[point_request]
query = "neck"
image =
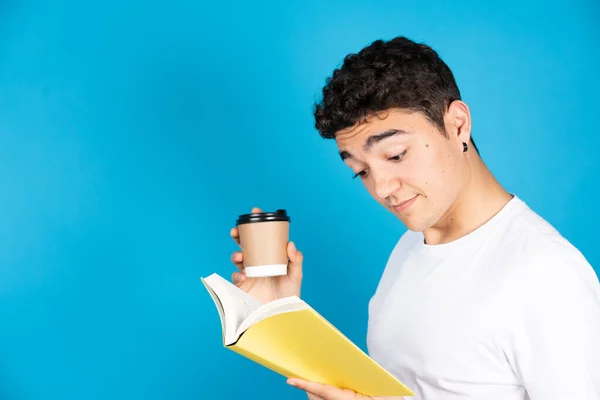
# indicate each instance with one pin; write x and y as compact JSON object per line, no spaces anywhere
{"x":482,"y":198}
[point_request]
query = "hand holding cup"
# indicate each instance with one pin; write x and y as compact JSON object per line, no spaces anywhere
{"x":269,"y":265}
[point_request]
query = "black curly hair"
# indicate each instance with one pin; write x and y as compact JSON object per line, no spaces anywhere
{"x":398,"y":73}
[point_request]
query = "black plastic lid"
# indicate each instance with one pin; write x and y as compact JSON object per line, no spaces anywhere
{"x":279,"y":215}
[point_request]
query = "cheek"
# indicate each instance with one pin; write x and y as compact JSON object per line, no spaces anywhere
{"x":423,"y":174}
{"x":431,"y":175}
{"x":442,"y":180}
{"x":370,"y":186}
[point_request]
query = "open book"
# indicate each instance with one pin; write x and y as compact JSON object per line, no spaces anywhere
{"x":290,"y":338}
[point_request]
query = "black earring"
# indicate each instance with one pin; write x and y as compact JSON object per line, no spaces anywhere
{"x":465,"y":147}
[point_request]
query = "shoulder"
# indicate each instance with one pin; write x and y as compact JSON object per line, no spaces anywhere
{"x":552,"y":313}
{"x":545,"y":266}
{"x":541,"y":251}
{"x":399,"y":253}
{"x":407,"y":242}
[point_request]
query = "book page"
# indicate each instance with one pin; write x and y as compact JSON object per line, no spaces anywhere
{"x":237,"y":305}
{"x":217,"y":302}
{"x":279,"y":306}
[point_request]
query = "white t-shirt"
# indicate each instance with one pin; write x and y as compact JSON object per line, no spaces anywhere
{"x":510,"y":311}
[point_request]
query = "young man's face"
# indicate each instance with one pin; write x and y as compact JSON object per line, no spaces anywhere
{"x":407,"y":165}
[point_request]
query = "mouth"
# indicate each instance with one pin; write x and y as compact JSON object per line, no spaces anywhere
{"x":404,"y":205}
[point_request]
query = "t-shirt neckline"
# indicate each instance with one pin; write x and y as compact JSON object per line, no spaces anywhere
{"x":473,"y":235}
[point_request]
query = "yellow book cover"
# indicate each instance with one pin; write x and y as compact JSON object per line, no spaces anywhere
{"x":289,"y":337}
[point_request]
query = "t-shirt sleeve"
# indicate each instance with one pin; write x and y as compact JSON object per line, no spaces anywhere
{"x":553,"y":340}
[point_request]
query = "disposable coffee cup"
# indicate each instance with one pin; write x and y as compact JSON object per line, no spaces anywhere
{"x":264,"y":238}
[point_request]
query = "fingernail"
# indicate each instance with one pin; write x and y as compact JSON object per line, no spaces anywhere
{"x":292,"y":382}
{"x":293,"y":248}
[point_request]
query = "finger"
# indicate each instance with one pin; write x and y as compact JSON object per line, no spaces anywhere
{"x":238,"y":278}
{"x":295,"y":266}
{"x":236,"y":258}
{"x":235,"y":232}
{"x":325,"y":392}
{"x":235,"y":235}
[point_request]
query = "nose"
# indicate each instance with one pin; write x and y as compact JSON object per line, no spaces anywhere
{"x":386,"y":185}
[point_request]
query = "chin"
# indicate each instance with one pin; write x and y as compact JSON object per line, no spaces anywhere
{"x":414,"y":223}
{"x":415,"y":227}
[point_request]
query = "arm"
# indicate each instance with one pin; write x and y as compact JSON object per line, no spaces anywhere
{"x":553,"y":342}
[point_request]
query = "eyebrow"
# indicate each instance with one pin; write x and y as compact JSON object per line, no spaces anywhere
{"x":374,"y":139}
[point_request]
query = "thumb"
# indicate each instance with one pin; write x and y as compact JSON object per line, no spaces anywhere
{"x":295,"y":265}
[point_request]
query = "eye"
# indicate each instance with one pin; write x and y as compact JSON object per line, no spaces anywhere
{"x":360,"y":174}
{"x":398,"y":157}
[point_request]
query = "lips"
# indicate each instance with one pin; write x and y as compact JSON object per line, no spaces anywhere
{"x":404,"y":205}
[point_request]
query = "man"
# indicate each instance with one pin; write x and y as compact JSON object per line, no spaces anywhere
{"x":481,"y":298}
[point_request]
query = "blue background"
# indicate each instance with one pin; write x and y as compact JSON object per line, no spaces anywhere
{"x":133,"y":133}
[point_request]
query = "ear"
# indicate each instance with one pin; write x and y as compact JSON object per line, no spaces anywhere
{"x":458,"y":122}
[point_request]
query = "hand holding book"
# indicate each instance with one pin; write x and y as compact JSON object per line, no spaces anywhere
{"x":264,"y":319}
{"x":319,"y":391}
{"x":291,"y":338}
